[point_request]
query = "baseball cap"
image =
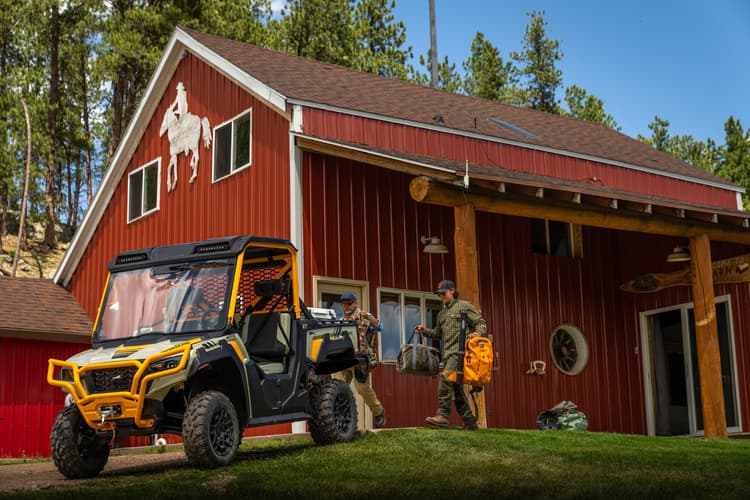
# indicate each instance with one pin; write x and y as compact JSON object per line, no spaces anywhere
{"x":445,"y":286}
{"x":348,"y":296}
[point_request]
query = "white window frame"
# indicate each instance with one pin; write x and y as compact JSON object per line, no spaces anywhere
{"x":143,"y":167}
{"x":423,"y":296}
{"x":233,"y":169}
{"x":340,"y":285}
{"x":647,"y":365}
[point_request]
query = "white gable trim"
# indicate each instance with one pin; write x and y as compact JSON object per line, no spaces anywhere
{"x":296,"y":208}
{"x":239,"y":76}
{"x":526,"y":145}
{"x":178,"y":43}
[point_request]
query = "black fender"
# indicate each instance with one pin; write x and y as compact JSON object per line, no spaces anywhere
{"x":220,"y":353}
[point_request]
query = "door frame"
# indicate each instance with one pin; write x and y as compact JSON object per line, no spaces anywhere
{"x":648,"y":381}
{"x":341,"y":285}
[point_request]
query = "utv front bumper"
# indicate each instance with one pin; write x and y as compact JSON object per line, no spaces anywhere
{"x":114,"y":391}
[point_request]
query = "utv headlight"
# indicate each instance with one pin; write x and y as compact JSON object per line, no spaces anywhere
{"x":165,"y":363}
{"x":66,"y":374}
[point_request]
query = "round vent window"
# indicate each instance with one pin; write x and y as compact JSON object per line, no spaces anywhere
{"x":569,"y":350}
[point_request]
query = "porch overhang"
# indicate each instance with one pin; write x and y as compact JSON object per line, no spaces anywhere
{"x":654,"y":216}
{"x":468,"y":187}
{"x":511,"y":192}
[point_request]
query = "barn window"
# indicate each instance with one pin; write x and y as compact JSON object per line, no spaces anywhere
{"x":400,"y":311}
{"x":561,"y":239}
{"x":569,"y":349}
{"x":143,"y":190}
{"x":233,"y":145}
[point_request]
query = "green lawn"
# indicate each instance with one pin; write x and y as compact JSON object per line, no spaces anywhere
{"x":454,"y":464}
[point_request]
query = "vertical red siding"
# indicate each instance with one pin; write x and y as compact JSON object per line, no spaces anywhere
{"x":399,"y":137}
{"x":252,"y":201}
{"x":28,"y":405}
{"x":363,"y":225}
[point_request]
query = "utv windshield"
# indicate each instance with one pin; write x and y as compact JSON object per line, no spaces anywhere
{"x":180,"y":298}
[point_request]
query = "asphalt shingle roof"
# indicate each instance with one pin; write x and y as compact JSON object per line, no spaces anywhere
{"x":40,"y":306}
{"x":322,"y":83}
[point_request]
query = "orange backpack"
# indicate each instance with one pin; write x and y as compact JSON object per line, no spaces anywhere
{"x":478,"y":361}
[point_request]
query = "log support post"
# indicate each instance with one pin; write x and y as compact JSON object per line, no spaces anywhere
{"x":706,"y":338}
{"x":467,"y":279}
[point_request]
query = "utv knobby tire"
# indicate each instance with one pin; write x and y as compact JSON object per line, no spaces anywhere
{"x":210,"y":430}
{"x":334,"y":412}
{"x":77,"y":451}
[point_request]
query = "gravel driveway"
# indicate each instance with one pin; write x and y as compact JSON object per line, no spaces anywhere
{"x":39,"y":475}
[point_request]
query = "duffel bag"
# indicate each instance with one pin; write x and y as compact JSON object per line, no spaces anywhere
{"x":418,"y":359}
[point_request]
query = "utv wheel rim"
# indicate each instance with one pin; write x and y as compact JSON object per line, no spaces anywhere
{"x":343,"y":411}
{"x":85,"y":440}
{"x":221,"y":432}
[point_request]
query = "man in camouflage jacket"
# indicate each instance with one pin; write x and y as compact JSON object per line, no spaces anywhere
{"x":448,"y":328}
{"x":361,"y":373}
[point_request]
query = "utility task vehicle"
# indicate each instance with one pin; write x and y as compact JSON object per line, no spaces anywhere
{"x":202,"y":340}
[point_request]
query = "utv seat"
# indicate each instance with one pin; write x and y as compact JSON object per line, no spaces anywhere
{"x":267,"y":337}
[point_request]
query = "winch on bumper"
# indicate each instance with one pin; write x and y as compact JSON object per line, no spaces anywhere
{"x":114,"y":391}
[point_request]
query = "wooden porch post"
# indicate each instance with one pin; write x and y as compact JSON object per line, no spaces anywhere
{"x":467,"y":279}
{"x":706,"y":338}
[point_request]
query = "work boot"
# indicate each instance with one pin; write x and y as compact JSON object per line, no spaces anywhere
{"x":438,"y":421}
{"x":470,"y":426}
{"x":380,"y":420}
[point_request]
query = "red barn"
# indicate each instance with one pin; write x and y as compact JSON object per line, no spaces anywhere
{"x":542,"y":219}
{"x":38,"y":320}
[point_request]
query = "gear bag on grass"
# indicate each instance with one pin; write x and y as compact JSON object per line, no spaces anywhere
{"x":478,"y":359}
{"x":564,"y":416}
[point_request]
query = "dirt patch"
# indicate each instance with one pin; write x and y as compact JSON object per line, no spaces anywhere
{"x":35,"y":260}
{"x":42,"y":475}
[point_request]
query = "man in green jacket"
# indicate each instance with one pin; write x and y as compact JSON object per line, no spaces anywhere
{"x":447,"y":328}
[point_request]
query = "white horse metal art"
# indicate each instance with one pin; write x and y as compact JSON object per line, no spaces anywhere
{"x":184,"y":134}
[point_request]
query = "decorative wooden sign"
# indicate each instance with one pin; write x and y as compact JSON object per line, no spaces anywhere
{"x":184,"y":133}
{"x":725,"y":271}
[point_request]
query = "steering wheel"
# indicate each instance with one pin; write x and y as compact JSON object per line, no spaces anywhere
{"x":210,"y":319}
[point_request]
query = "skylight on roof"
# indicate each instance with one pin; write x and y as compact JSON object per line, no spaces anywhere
{"x":510,"y":126}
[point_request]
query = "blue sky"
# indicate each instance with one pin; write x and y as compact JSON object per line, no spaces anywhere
{"x":686,"y":61}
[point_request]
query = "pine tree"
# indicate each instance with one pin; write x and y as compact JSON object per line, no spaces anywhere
{"x":735,"y":164}
{"x":380,"y":40}
{"x":245,"y":21}
{"x":487,"y":75}
{"x":585,"y":106}
{"x":537,"y":71}
{"x":317,"y":29}
{"x":448,"y":78}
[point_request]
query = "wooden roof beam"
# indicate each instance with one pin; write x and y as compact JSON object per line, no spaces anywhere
{"x":558,"y":194}
{"x":426,"y":190}
{"x":599,"y":201}
{"x":704,"y":216}
{"x":634,"y":206}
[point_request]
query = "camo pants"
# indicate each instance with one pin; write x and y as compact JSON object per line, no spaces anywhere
{"x":448,"y":390}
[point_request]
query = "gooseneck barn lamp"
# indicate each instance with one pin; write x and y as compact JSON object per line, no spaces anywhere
{"x":433,"y":245}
